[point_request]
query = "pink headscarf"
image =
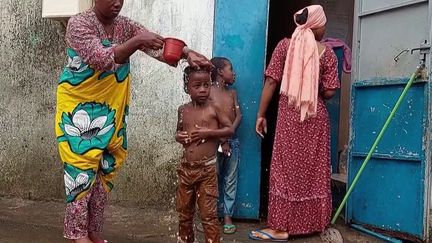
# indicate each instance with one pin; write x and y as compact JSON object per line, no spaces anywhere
{"x":301,"y":71}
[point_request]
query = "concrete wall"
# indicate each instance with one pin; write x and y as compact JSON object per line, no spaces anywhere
{"x":31,"y":59}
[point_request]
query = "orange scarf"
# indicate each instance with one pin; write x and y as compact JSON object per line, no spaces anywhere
{"x":301,"y":71}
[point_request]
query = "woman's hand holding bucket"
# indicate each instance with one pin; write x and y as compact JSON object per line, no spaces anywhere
{"x":151,"y":40}
{"x":175,"y":50}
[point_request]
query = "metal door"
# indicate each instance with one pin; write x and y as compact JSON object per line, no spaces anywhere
{"x":393,"y":193}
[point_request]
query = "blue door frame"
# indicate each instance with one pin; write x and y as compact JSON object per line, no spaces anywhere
{"x":240,"y":30}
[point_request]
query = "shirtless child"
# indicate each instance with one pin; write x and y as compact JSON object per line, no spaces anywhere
{"x":228,"y":157}
{"x":200,"y":127}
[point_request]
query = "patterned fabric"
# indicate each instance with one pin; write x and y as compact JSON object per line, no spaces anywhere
{"x":93,"y":97}
{"x":85,"y":215}
{"x":300,"y":196}
{"x":85,"y":34}
{"x":91,"y":131}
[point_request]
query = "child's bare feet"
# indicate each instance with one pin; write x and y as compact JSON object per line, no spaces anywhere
{"x":83,"y":240}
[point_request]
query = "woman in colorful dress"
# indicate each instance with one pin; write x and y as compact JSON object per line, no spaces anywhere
{"x":93,"y":98}
{"x":300,"y":195}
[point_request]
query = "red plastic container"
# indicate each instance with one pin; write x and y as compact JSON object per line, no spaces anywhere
{"x":173,"y":50}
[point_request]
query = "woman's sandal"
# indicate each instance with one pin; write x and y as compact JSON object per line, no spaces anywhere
{"x":269,"y":237}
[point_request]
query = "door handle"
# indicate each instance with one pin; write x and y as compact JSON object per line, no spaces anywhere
{"x":397,"y":57}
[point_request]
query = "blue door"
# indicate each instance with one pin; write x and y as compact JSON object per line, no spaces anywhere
{"x":392,"y":196}
{"x":240,"y":35}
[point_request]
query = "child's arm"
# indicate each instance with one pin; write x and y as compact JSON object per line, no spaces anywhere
{"x":226,"y":129}
{"x":181,"y":136}
{"x":238,"y":115}
{"x":224,"y":141}
{"x":238,"y":118}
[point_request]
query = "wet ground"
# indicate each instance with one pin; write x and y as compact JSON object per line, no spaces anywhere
{"x":41,"y":222}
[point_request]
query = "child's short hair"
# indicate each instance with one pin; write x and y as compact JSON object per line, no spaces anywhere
{"x":218,"y":63}
{"x":188,"y":71}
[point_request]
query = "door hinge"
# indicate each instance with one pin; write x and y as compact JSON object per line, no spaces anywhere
{"x":424,"y":49}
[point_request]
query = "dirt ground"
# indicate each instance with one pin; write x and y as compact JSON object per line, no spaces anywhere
{"x":30,"y":221}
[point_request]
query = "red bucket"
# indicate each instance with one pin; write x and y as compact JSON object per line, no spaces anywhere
{"x":173,"y":50}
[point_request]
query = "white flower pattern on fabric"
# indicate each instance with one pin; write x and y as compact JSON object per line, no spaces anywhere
{"x":107,"y":163}
{"x":89,"y":126}
{"x":84,"y":128}
{"x":71,"y":185}
{"x":77,"y":181}
{"x":74,"y":64}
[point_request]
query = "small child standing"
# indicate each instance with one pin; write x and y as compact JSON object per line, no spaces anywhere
{"x":228,"y":156}
{"x":200,"y":127}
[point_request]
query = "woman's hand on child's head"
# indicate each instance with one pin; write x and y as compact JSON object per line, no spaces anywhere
{"x":198,"y":60}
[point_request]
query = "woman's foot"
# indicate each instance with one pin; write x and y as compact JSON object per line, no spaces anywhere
{"x":269,"y":234}
{"x":96,"y":237}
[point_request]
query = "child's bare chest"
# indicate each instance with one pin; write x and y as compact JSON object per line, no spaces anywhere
{"x":193,"y":118}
